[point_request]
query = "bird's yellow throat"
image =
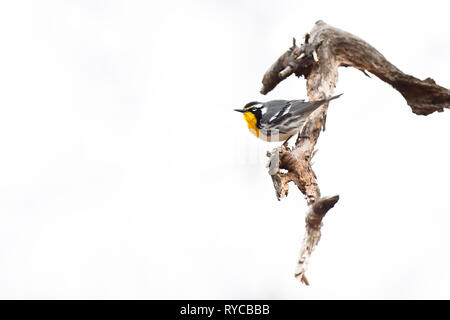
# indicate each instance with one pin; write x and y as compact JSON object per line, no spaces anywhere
{"x":251,"y":123}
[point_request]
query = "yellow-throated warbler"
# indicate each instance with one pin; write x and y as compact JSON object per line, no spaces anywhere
{"x":278,"y":120}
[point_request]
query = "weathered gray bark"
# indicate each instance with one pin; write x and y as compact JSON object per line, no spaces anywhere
{"x":324,"y":50}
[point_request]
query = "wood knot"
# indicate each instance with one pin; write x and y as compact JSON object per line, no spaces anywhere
{"x":429,"y":80}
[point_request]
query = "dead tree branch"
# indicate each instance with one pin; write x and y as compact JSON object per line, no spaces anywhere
{"x":324,"y":50}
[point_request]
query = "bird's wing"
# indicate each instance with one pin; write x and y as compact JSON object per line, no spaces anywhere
{"x":300,"y":107}
{"x":290,"y":108}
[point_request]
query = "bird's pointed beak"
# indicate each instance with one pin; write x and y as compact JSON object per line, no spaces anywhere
{"x":240,"y":110}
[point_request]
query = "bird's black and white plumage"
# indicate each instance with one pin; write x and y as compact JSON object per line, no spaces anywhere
{"x":277,"y":120}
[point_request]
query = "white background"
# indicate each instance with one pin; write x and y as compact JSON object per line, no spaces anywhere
{"x":124,"y":172}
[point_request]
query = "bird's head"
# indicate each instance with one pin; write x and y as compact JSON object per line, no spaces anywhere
{"x":252,"y":115}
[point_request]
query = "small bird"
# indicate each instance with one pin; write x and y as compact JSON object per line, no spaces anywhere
{"x":278,"y":120}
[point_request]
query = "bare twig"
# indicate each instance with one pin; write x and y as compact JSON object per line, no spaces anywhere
{"x":286,"y":72}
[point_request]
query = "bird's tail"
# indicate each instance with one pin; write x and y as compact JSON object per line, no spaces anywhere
{"x":334,"y":97}
{"x":318,"y":103}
